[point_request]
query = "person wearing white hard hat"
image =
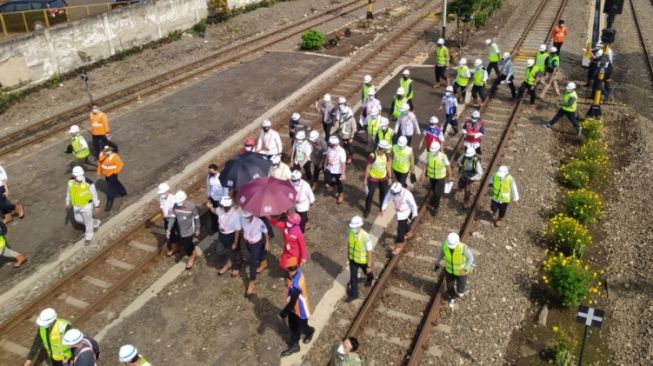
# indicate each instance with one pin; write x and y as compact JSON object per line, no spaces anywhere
{"x":335,"y":166}
{"x":403,"y":161}
{"x":365,"y":95}
{"x":377,"y":175}
{"x":449,"y":104}
{"x":503,"y":190}
{"x":438,"y":169}
{"x":479,"y":81}
{"x":318,"y":153}
{"x":279,"y":169}
{"x":269,"y":141}
{"x":187,"y":219}
{"x":384,"y":133}
{"x":166,"y":204}
{"x":300,"y":155}
{"x":49,"y":336}
{"x":442,"y":58}
{"x":473,"y":130}
{"x":407,"y":124}
{"x":228,"y":233}
{"x":359,"y":249}
{"x":463,"y":75}
{"x":128,"y":354}
{"x":215,"y":191}
{"x":399,"y":100}
{"x":506,"y":76}
{"x":82,"y":196}
{"x":85,"y":349}
{"x":7,"y":208}
{"x":296,"y":124}
{"x":405,"y":211}
{"x":372,"y":107}
{"x":432,"y":133}
{"x":100,"y":130}
{"x":78,"y":145}
{"x":551,"y":71}
{"x":568,"y":108}
{"x":493,"y":56}
{"x":469,"y":171}
{"x":531,"y":75}
{"x":372,"y":125}
{"x":326,"y":110}
{"x":406,"y":83}
{"x":5,"y":249}
{"x":598,"y":55}
{"x":257,"y":240}
{"x":303,"y":199}
{"x":110,"y":165}
{"x":458,"y":262}
{"x":346,"y":129}
{"x":540,"y":58}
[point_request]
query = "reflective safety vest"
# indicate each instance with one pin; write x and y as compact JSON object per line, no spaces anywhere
{"x":492,"y":55}
{"x":469,"y":165}
{"x":441,"y":56}
{"x":53,"y":346}
{"x":566,"y":99}
{"x":401,"y":158}
{"x":397,"y":106}
{"x":109,"y":165}
{"x":302,"y":306}
{"x":501,"y":190}
{"x":142,"y":361}
{"x":373,"y":126}
{"x":80,"y":147}
{"x":365,"y":92}
{"x":454,"y":261}
{"x":3,"y":244}
{"x":553,"y":61}
{"x":387,"y":135}
{"x":99,"y":124}
{"x":461,"y":75}
{"x":540,"y":60}
{"x":529,"y":75}
{"x":379,"y":167}
{"x":299,"y":150}
{"x":407,"y":84}
{"x":479,"y":75}
{"x":80,"y":193}
{"x":436,"y":165}
{"x":357,"y":250}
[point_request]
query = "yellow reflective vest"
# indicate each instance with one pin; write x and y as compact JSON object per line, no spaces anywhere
{"x":442,"y":56}
{"x":80,"y":193}
{"x":379,"y":167}
{"x":53,"y":346}
{"x":407,"y":84}
{"x":436,"y":165}
{"x":454,"y":260}
{"x":566,"y":106}
{"x":80,"y":147}
{"x":501,"y":191}
{"x":401,"y":158}
{"x":462,"y":77}
{"x":3,"y":243}
{"x":357,"y":250}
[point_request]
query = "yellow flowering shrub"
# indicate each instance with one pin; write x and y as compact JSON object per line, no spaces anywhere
{"x":592,"y":128}
{"x":592,"y":150}
{"x":567,"y":235}
{"x":571,"y":280}
{"x":579,"y":173}
{"x":584,"y":205}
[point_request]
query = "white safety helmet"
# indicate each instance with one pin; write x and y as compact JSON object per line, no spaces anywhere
{"x":435,"y":147}
{"x":571,"y":86}
{"x":226,"y":201}
{"x":73,"y":129}
{"x":488,"y":41}
{"x":494,"y":45}
{"x":434,"y":120}
{"x":127,"y":353}
{"x":78,"y":171}
{"x":163,"y":188}
{"x":300,"y":135}
{"x":530,"y":62}
{"x":355,"y":222}
{"x":506,"y":55}
{"x":502,"y":171}
{"x":463,"y":62}
{"x":478,"y":62}
{"x":327,"y":97}
{"x":599,"y":53}
{"x":276,"y":159}
{"x":449,"y":88}
{"x":180,"y":197}
{"x":553,"y":50}
{"x":295,"y":175}
{"x":342,"y":100}
{"x":470,"y":151}
{"x":72,"y":337}
{"x":295,"y":116}
{"x":452,"y":240}
{"x":441,"y":41}
{"x":401,"y":91}
{"x":371,"y":91}
{"x":395,"y":187}
{"x":46,"y":317}
{"x":266,"y":123}
{"x":313,"y":135}
{"x":383,"y":144}
{"x":402,"y":141}
{"x":476,"y":115}
{"x":333,"y":140}
{"x":367,"y":79}
{"x":384,"y":123}
{"x":404,"y":107}
{"x":406,"y":72}
{"x":542,"y":47}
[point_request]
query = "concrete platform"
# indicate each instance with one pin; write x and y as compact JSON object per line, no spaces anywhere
{"x":157,"y":139}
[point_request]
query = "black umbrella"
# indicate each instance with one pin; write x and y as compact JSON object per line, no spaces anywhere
{"x":244,"y":168}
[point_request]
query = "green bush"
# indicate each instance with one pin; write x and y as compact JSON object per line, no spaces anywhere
{"x":584,"y":205}
{"x":563,"y":351}
{"x":573,"y":174}
{"x":199,"y":28}
{"x":6,"y":99}
{"x":567,"y":235}
{"x":569,"y":278}
{"x":175,"y":35}
{"x":312,"y":40}
{"x":53,"y":81}
{"x":592,"y":129}
{"x":593,"y":150}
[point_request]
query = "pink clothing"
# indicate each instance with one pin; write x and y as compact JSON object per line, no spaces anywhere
{"x":294,"y":244}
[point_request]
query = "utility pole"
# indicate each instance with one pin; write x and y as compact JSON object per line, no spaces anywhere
{"x":370,"y":9}
{"x":444,"y":20}
{"x":84,"y":76}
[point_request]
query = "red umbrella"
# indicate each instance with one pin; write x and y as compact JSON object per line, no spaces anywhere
{"x":266,"y":196}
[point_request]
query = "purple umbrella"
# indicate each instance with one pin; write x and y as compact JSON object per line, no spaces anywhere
{"x":266,"y":196}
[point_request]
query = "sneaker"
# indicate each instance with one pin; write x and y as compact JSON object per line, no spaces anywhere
{"x":452,"y":303}
{"x":87,"y":242}
{"x":351,"y":298}
{"x":547,"y":126}
{"x":96,"y":224}
{"x":579,"y":131}
{"x":309,"y":337}
{"x":294,"y":348}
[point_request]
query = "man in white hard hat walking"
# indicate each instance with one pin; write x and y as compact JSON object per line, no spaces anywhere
{"x":567,"y":109}
{"x":405,"y":210}
{"x":432,"y":133}
{"x":326,"y":110}
{"x":346,"y":126}
{"x":492,"y":56}
{"x":458,"y":261}
{"x":407,"y":124}
{"x":296,"y":124}
{"x":403,"y":161}
{"x":215,"y":191}
{"x":372,"y":107}
{"x":406,"y":83}
{"x":437,"y":170}
{"x":82,"y":196}
{"x":50,"y":336}
{"x":6,"y":251}
{"x":377,"y":175}
{"x":360,"y":256}
{"x":365,"y":94}
{"x":166,"y":204}
{"x":479,"y":81}
{"x":503,"y":190}
{"x":186,"y":217}
{"x":506,"y":76}
{"x":304,"y":198}
{"x":398,"y":100}
{"x":540,"y":58}
{"x":531,"y":74}
{"x":269,"y":141}
{"x":318,"y":153}
{"x":551,"y":71}
{"x":473,"y":130}
{"x":463,"y":75}
{"x":442,"y":58}
{"x":128,"y":354}
{"x":300,"y":156}
{"x":469,"y":171}
{"x":335,"y":166}
{"x":279,"y":169}
{"x":229,"y":224}
{"x":7,"y":208}
{"x":449,"y":104}
{"x":85,"y":349}
{"x":78,"y":145}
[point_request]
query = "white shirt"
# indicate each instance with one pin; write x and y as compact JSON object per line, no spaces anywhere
{"x":269,"y":143}
{"x":302,"y":151}
{"x":214,"y":188}
{"x":373,"y":105}
{"x":280,"y":172}
{"x":335,"y":159}
{"x":407,"y":124}
{"x":404,"y":203}
{"x":166,"y":203}
{"x":305,"y":197}
{"x":253,"y":230}
{"x":228,"y":221}
{"x":3,"y":176}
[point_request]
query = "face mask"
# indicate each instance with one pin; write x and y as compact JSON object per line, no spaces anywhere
{"x":341,"y":349}
{"x":80,"y":178}
{"x":95,"y":110}
{"x":249,"y":148}
{"x":212,"y":174}
{"x":447,"y":93}
{"x":177,"y":204}
{"x":289,"y":225}
{"x":295,"y":181}
{"x":266,"y":129}
{"x":343,"y":109}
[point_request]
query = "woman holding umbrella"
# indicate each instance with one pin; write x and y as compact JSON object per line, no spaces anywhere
{"x":294,"y":244}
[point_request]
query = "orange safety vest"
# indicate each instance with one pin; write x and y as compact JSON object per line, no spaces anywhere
{"x":559,"y":34}
{"x":99,"y":124}
{"x":109,"y":165}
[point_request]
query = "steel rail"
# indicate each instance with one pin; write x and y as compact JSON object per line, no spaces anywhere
{"x":640,"y":34}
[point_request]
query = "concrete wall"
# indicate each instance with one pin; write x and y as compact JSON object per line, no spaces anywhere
{"x":36,"y":57}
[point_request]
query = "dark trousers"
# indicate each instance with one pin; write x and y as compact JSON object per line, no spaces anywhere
{"x":308,"y":172}
{"x":235,"y":256}
{"x":5,"y":205}
{"x":353,"y":277}
{"x":315,"y":176}
{"x":114,"y":187}
{"x":455,"y":285}
{"x":498,"y":81}
{"x":402,"y":229}
{"x":493,"y":66}
{"x":371,"y":188}
{"x":298,"y":326}
{"x":174,"y":234}
{"x":440,"y":73}
{"x":571,"y":116}
{"x":187,"y":244}
{"x":591,"y":72}
{"x":457,"y":86}
{"x":332,"y":179}
{"x":346,"y":144}
{"x":501,"y":207}
{"x":99,"y":142}
{"x":401,"y":177}
{"x":327,"y":130}
{"x":304,"y":220}
{"x":531,"y":91}
{"x":214,"y":217}
{"x":437,"y":189}
{"x":256,"y":255}
{"x":478,"y":90}
{"x":558,"y":45}
{"x":466,"y":184}
{"x":450,"y":120}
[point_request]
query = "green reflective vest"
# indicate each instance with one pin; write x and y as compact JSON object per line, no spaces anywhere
{"x":553,"y":61}
{"x":540,"y":60}
{"x":401,"y":158}
{"x":407,"y":84}
{"x":142,"y":361}
{"x":436,"y":165}
{"x":387,"y":135}
{"x":366,"y":92}
{"x":3,"y":243}
{"x":566,"y":99}
{"x":80,"y":147}
{"x":80,"y":193}
{"x":454,"y":261}
{"x":529,"y":75}
{"x":479,"y":75}
{"x":379,"y":167}
{"x":397,"y":106}
{"x":373,"y":126}
{"x":492,"y":55}
{"x":53,"y":346}
{"x":441,"y":56}
{"x":461,"y":75}
{"x":357,"y":250}
{"x":501,"y":191}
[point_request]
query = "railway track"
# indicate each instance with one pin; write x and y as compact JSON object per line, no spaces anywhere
{"x":643,"y":11}
{"x":406,"y":297}
{"x":91,"y":286}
